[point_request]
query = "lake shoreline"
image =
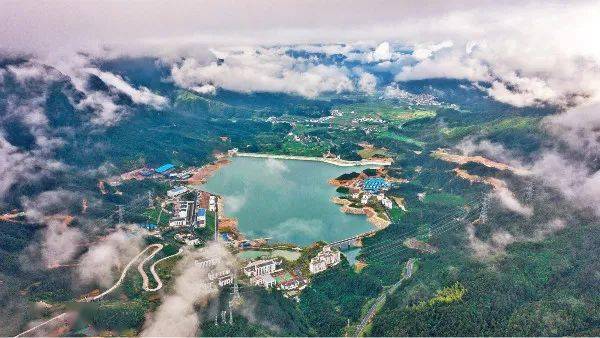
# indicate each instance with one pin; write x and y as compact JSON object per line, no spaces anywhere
{"x":334,"y":161}
{"x":347,"y":226}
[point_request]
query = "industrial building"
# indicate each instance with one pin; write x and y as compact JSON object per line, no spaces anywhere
{"x":184,"y":214}
{"x":164,"y":169}
{"x":261,"y":267}
{"x":375,"y":185}
{"x":177,"y":191}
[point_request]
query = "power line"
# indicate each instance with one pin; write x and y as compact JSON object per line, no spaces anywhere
{"x":436,"y":232}
{"x":382,"y":245}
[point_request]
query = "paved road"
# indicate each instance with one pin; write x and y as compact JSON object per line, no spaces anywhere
{"x":381,"y":299}
{"x":65,"y":316}
{"x":140,"y":267}
{"x":159,"y":283}
{"x":123,"y":274}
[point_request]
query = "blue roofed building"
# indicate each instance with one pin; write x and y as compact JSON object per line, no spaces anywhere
{"x":375,"y":185}
{"x":165,"y":168}
{"x":201,"y":218}
{"x":148,"y":226}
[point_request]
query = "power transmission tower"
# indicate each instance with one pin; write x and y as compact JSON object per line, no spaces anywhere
{"x":483,"y":216}
{"x":230,"y":315}
{"x":150,"y":201}
{"x":224,"y":316}
{"x":217,"y":319}
{"x":529,"y":191}
{"x":236,"y":289}
{"x":120,"y":212}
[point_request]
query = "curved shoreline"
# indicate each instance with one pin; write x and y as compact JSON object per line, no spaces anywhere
{"x":334,"y":161}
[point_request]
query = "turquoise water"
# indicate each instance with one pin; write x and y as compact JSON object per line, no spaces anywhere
{"x":287,"y":200}
{"x":351,"y":255}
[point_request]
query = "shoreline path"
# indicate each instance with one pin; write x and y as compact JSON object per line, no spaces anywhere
{"x":334,"y":161}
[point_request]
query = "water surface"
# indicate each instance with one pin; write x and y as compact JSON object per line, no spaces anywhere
{"x":288,"y":200}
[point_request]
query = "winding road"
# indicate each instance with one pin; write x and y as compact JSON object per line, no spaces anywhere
{"x":124,"y":273}
{"x":381,"y":299}
{"x":156,"y":247}
{"x":153,"y":270}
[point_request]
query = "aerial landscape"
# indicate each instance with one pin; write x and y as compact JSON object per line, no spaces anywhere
{"x":299,"y":168}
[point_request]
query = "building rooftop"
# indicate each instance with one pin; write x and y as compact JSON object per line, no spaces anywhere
{"x":164,"y":168}
{"x":180,"y":188}
{"x":149,"y":226}
{"x":375,"y":184}
{"x":201,"y":212}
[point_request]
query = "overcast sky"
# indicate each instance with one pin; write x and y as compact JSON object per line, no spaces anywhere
{"x":30,"y":25}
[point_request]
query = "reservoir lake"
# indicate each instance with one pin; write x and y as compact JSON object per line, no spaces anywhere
{"x":287,"y":200}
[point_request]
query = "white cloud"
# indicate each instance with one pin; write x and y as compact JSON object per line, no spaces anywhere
{"x":102,"y":261}
{"x":250,"y":70}
{"x":276,"y":167}
{"x":17,"y":165}
{"x":235,"y":203}
{"x":510,"y":202}
{"x":422,"y":52}
{"x":367,"y":83}
{"x":177,"y":316}
{"x":142,"y":95}
{"x":107,"y":112}
{"x":205,"y":89}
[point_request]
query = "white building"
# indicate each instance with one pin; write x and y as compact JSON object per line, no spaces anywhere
{"x":226,"y":280}
{"x":177,"y":222}
{"x":207,"y":263}
{"x":325,"y":259}
{"x":387,"y":203}
{"x":214,"y":275}
{"x":177,"y":191}
{"x":266,"y":280}
{"x":212,"y":203}
{"x":365,"y":198}
{"x":261,"y":267}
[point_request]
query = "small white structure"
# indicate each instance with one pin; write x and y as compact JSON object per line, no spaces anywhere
{"x":325,"y":259}
{"x":213,"y":275}
{"x":177,"y":191}
{"x":212,"y":203}
{"x":177,"y":222}
{"x":232,"y":152}
{"x":365,"y":198}
{"x":261,"y":267}
{"x":226,"y":280}
{"x":387,"y":203}
{"x":207,"y":263}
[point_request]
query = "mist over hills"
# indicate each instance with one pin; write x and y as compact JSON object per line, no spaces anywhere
{"x":79,"y":106}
